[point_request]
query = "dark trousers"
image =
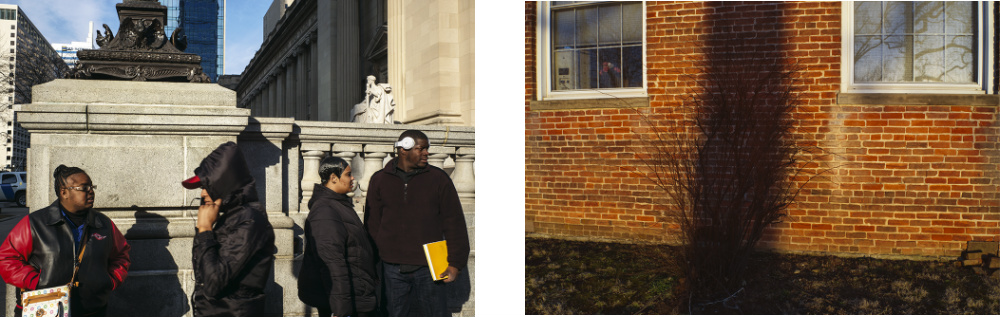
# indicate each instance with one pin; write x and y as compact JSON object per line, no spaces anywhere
{"x":414,"y":293}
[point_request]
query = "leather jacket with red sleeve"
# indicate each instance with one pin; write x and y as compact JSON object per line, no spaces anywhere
{"x":39,"y":253}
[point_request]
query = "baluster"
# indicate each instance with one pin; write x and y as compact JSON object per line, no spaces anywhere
{"x":374,"y":154}
{"x":310,"y":176}
{"x":438,"y":154}
{"x":464,"y":175}
{"x":347,"y":152}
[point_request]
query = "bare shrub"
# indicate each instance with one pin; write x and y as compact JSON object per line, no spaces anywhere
{"x":731,"y":167}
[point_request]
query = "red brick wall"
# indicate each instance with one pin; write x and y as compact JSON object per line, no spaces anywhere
{"x":913,"y":179}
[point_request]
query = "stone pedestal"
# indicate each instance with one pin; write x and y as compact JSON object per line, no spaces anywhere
{"x":137,"y":141}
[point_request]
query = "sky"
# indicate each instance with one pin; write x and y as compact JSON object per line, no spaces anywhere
{"x":65,"y":21}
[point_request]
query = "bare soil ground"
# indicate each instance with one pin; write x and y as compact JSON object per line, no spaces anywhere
{"x":571,"y":277}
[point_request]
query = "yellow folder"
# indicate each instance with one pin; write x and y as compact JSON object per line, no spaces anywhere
{"x":437,"y":258}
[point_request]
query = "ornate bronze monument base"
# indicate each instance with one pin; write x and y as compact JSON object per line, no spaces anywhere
{"x":141,"y":51}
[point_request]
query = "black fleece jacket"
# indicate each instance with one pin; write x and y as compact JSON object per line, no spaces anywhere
{"x":403,"y":215}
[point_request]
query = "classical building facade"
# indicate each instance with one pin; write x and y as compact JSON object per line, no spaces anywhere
{"x":900,"y":97}
{"x":26,"y":59}
{"x":313,"y":64}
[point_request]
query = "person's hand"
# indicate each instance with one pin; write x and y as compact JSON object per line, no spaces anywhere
{"x":208,"y":212}
{"x":450,"y":274}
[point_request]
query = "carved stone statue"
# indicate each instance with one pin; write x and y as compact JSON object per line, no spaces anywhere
{"x":141,"y":50}
{"x":378,"y":106}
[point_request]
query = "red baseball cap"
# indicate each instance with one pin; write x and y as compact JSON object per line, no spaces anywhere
{"x":192,"y":183}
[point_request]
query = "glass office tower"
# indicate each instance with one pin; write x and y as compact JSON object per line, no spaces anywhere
{"x":204,"y":24}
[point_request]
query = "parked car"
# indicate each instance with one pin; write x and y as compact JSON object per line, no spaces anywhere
{"x":13,"y":186}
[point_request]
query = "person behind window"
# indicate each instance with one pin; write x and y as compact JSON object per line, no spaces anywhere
{"x":610,"y":75}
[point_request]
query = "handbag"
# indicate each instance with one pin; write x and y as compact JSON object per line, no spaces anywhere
{"x":52,"y":301}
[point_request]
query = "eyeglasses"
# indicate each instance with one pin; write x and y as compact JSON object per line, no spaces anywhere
{"x":84,"y":188}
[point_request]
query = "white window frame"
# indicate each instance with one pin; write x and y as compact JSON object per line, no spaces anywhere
{"x":984,"y":76}
{"x":543,"y":69}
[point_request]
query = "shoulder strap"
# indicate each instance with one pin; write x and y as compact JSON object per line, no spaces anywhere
{"x":76,"y":266}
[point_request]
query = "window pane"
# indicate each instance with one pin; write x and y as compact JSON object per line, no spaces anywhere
{"x":898,"y":60}
{"x":928,"y":17}
{"x":867,"y":18}
{"x":898,"y":18}
{"x":564,"y":23}
{"x":575,"y":69}
{"x":587,"y":64}
{"x":958,"y":21}
{"x":611,"y":25}
{"x":928,"y":62}
{"x":867,"y":58}
{"x":587,"y":26}
{"x":959,"y":60}
{"x":632,"y":66}
{"x":632,"y":22}
{"x":610,"y":71}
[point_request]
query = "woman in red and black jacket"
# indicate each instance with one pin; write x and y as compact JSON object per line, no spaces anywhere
{"x":41,"y":249}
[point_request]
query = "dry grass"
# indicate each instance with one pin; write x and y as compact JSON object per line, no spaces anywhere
{"x":569,"y":277}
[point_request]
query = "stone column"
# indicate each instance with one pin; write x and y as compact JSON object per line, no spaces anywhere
{"x":348,"y":76}
{"x":311,"y":154}
{"x":272,"y":91}
{"x":265,"y":98}
{"x":374,"y":154}
{"x":464,"y":175}
{"x":300,"y":83}
{"x":288,"y":109}
{"x":396,"y":52}
{"x":316,"y":94}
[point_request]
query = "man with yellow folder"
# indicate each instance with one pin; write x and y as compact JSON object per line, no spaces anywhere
{"x":409,"y":204}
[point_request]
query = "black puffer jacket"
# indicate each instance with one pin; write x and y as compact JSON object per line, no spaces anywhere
{"x":232,"y":262}
{"x":338,"y":268}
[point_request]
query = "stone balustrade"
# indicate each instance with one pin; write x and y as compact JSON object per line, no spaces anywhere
{"x":369,"y":146}
{"x":301,"y":145}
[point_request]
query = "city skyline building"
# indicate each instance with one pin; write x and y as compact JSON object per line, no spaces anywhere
{"x":204,"y":24}
{"x":68,"y":51}
{"x":26,"y":59}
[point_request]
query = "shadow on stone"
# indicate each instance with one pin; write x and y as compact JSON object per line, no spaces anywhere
{"x":153,"y":273}
{"x":459,"y":292}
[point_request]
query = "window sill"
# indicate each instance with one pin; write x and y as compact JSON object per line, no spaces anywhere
{"x":603,"y":103}
{"x":917,"y":99}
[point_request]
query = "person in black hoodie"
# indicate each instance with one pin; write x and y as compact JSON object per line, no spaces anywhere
{"x":338,"y":273}
{"x":410,"y":203}
{"x":234,"y":245}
